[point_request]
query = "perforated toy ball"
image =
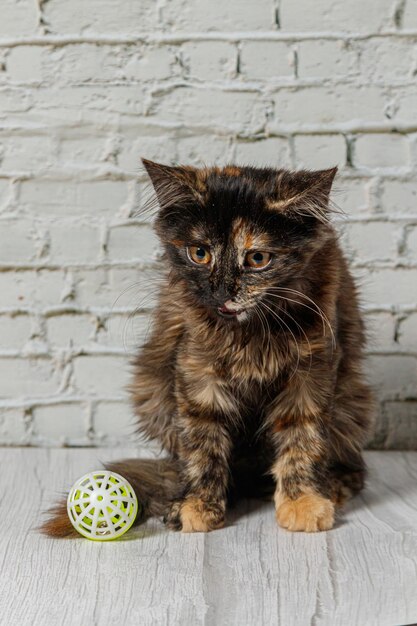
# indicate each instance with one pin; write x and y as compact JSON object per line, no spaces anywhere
{"x":102,"y":505}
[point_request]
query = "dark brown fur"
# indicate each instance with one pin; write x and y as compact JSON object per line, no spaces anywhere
{"x":273,"y":398}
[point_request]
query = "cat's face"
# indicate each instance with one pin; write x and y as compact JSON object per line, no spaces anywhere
{"x":236,"y":235}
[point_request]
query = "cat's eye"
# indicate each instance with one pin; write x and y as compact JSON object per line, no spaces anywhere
{"x":257,"y":260}
{"x":199,"y":255}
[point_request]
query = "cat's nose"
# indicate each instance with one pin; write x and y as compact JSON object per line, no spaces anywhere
{"x":230,"y":306}
{"x":222,"y":295}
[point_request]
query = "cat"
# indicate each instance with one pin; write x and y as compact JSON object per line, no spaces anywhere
{"x":252,"y":379}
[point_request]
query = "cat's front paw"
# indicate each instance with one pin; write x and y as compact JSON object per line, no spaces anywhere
{"x":194,"y":515}
{"x":309,"y":513}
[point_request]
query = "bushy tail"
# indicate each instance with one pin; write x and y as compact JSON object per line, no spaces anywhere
{"x":155,"y":482}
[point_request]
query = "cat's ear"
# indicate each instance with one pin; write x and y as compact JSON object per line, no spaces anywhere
{"x":304,"y":193}
{"x":174,"y":185}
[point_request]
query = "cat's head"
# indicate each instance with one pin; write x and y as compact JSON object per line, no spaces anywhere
{"x":233,"y":235}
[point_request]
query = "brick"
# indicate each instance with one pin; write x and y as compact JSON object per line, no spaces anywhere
{"x":64,"y":198}
{"x":407,"y":333}
{"x":324,"y":59}
{"x":24,"y":64}
{"x":387,"y":59}
{"x":330,"y":105}
{"x":48,"y":289}
{"x":380,"y":330}
{"x":14,"y":100}
{"x":319,"y":151}
{"x":14,"y":331}
{"x":47,"y":197}
{"x":100,"y":16}
{"x":351,"y":194}
{"x":198,"y":15}
{"x":411,"y":242}
{"x":118,"y":288}
{"x":372,"y":241}
{"x":235,"y":110}
{"x":151,"y":63}
{"x":401,"y":425}
{"x":91,"y":288}
{"x":114,"y":422}
{"x":30,"y":289}
{"x":83,"y":62}
{"x":203,"y":150}
{"x":18,"y":19}
{"x":26,"y":153}
{"x":133,"y":289}
{"x":13,"y":431}
{"x":4,"y":186}
{"x":266,"y":60}
{"x":381,"y":150}
{"x":129,"y":331}
{"x":133,"y":243}
{"x":137,"y":144}
{"x":207,"y":60}
{"x":89,"y":96}
{"x":60,"y":424}
{"x":27,"y":377}
{"x":15,"y":289}
{"x":338,"y":15}
{"x":410,"y":15}
{"x":86,"y":148}
{"x":404,"y":106}
{"x":393,"y":377}
{"x":390,"y":287}
{"x":73,"y":242}
{"x":399,"y":197}
{"x":17,"y":242}
{"x":272,"y":152}
{"x":70,"y":330}
{"x":102,"y":375}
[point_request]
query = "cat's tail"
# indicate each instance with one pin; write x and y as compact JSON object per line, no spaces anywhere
{"x":155,"y":483}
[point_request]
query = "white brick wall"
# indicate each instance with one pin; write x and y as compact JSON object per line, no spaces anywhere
{"x":88,"y":87}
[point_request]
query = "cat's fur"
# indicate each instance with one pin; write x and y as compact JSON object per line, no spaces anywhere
{"x":272,"y":398}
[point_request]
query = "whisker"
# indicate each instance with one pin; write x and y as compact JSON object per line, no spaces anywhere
{"x":317,"y":309}
{"x":130,"y":317}
{"x":292,"y":334}
{"x":295,"y":321}
{"x":138,"y":284}
{"x":300,"y":303}
{"x":262,"y":321}
{"x":306,"y":338}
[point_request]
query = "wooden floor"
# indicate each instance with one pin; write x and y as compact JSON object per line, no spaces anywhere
{"x":364,"y":572}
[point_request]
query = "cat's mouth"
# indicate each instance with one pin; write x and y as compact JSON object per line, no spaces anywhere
{"x":229,"y":314}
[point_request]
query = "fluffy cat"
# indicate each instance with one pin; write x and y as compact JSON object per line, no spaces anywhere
{"x":251,"y":380}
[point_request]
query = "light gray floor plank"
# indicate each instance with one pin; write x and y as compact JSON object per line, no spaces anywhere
{"x":363,"y":572}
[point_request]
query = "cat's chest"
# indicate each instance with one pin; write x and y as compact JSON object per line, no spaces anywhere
{"x":231,"y":378}
{"x":254,"y":364}
{"x":249,"y":379}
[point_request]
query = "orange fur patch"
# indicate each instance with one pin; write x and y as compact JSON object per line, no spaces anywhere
{"x":245,"y":238}
{"x":231,"y":170}
{"x":308,"y":513}
{"x":195,"y":518}
{"x":248,"y":241}
{"x":199,"y":235}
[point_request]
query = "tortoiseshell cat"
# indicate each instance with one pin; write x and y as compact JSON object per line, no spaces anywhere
{"x":251,"y":379}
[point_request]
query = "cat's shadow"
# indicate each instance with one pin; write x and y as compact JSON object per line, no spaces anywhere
{"x":381,"y":491}
{"x":248,"y":507}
